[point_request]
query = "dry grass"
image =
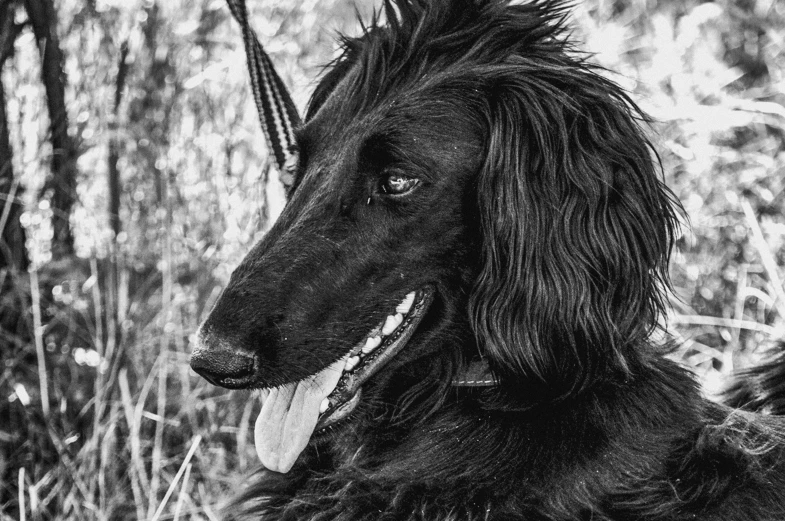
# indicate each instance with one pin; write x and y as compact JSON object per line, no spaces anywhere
{"x":142,"y":436}
{"x":100,"y":416}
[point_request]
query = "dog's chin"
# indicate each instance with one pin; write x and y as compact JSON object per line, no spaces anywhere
{"x":293,"y":414}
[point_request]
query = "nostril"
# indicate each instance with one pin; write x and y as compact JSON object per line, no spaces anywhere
{"x":207,"y":375}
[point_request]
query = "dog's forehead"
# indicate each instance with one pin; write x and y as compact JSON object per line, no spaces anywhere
{"x":418,"y":112}
{"x":347,"y":112}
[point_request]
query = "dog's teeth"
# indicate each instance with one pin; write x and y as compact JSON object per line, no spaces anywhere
{"x":352,"y":362}
{"x":389,"y":325}
{"x":324,"y":405}
{"x":371,"y":344}
{"x":398,"y":319}
{"x":406,"y":304}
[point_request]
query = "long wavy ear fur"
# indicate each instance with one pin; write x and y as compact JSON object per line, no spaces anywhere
{"x":577,"y":229}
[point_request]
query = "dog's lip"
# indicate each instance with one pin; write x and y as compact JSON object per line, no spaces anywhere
{"x":346,"y":395}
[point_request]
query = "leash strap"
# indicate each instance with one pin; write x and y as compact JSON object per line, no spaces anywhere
{"x":477,"y":374}
{"x":277,"y":112}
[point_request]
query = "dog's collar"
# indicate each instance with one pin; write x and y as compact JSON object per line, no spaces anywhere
{"x":476,"y":374}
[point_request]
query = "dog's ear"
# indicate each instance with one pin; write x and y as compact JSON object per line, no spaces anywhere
{"x":577,"y":228}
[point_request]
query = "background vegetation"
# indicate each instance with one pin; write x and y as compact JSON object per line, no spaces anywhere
{"x":133,"y":177}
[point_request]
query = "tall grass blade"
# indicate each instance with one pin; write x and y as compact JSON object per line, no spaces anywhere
{"x":43,"y":379}
{"x":183,"y":466}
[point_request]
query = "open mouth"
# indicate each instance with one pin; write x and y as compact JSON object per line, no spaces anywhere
{"x":292,"y":413}
{"x":365,"y":359}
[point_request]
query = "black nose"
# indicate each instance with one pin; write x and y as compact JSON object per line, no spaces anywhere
{"x":222,"y":365}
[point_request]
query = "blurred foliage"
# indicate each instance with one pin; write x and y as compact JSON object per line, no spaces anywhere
{"x":711,"y":76}
{"x":197,"y":191}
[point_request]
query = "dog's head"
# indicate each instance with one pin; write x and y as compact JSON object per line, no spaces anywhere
{"x":467,"y":186}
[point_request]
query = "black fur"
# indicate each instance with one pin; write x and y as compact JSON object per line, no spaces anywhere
{"x":761,"y":388}
{"x":542,"y":223}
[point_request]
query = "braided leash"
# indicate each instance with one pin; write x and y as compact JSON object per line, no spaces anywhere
{"x":277,"y":112}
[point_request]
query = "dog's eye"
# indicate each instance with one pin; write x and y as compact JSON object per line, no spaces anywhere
{"x":398,"y":184}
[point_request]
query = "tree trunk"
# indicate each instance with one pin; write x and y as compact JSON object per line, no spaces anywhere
{"x":13,"y":255}
{"x":114,"y":144}
{"x":63,"y":180}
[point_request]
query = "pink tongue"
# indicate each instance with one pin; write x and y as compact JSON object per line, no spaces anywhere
{"x":289,"y":415}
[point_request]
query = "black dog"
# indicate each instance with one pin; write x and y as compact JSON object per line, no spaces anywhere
{"x":454,"y":310}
